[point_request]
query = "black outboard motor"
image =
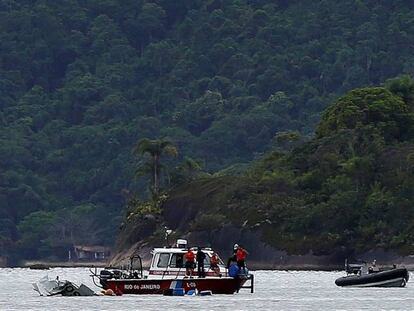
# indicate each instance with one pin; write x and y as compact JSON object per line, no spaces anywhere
{"x":107,"y":274}
{"x":110,"y":274}
{"x":353,"y":268}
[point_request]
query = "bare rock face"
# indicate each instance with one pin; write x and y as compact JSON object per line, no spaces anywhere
{"x":261,"y":255}
{"x":122,"y":256}
{"x":136,"y":231}
{"x":138,"y":238}
{"x":178,"y":214}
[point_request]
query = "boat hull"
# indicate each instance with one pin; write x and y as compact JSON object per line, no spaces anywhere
{"x":390,"y":278}
{"x":225,"y":285}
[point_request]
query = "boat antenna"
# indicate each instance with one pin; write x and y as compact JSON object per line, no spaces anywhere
{"x":167,"y":233}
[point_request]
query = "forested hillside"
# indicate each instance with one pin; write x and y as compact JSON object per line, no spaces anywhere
{"x":81,"y":81}
{"x":347,"y":191}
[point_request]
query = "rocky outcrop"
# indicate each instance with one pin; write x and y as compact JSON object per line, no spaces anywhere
{"x":183,"y":211}
{"x":261,"y":255}
{"x":135,"y":235}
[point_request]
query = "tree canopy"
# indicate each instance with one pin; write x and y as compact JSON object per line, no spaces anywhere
{"x":375,"y":106}
{"x":81,"y":81}
{"x":344,"y":192}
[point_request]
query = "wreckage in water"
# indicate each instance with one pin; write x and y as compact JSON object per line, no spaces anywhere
{"x":53,"y":287}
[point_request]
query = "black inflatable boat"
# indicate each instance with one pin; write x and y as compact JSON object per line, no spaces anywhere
{"x":362,"y":276}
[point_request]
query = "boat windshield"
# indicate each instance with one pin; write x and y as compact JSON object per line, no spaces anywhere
{"x":177,"y":260}
{"x":163,"y":260}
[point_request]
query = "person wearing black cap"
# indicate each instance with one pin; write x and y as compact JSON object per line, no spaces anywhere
{"x":200,"y":263}
{"x":233,"y":257}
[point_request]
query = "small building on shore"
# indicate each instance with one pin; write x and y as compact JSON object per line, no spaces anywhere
{"x":90,"y":252}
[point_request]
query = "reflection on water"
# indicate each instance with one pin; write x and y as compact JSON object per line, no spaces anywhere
{"x":274,"y":290}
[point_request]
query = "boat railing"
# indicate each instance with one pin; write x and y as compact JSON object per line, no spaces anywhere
{"x":164,"y":273}
{"x":168,"y":273}
{"x":180,"y":269}
{"x":178,"y":272}
{"x":94,"y":274}
{"x":250,"y":278}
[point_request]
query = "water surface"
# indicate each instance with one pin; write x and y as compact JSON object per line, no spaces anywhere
{"x":274,"y":290}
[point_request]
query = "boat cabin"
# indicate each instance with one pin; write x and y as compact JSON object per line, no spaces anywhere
{"x":170,"y":261}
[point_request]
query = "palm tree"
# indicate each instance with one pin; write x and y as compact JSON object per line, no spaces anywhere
{"x":155,"y":149}
{"x":191,"y":167}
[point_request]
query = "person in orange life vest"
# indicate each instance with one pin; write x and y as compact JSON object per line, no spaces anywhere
{"x":189,"y":262}
{"x":241,"y":258}
{"x":214,"y":264}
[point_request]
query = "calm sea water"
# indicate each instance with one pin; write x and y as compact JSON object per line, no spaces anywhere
{"x":275,"y":290}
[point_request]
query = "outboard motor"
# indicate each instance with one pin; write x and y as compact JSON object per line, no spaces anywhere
{"x":117,"y":274}
{"x":106,"y":274}
{"x":110,"y":274}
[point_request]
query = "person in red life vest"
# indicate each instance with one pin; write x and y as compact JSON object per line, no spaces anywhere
{"x":189,"y":263}
{"x":214,"y":264}
{"x":241,"y":259}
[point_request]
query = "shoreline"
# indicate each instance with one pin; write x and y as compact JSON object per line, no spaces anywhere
{"x":43,"y":265}
{"x":252,"y":265}
{"x":290,"y":268}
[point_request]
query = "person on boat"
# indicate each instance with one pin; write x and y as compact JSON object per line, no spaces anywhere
{"x":214,"y":264}
{"x":373,"y":267}
{"x":189,"y":263}
{"x":180,"y":261}
{"x":232,"y":258}
{"x":241,"y":255}
{"x":200,"y":263}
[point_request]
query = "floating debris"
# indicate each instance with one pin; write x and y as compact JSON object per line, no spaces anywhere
{"x":51,"y":287}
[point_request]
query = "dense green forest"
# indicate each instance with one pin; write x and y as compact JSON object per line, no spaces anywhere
{"x":82,"y":81}
{"x":346,"y":191}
